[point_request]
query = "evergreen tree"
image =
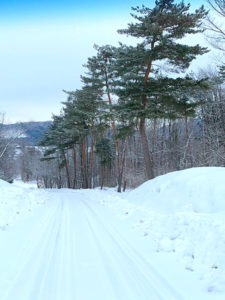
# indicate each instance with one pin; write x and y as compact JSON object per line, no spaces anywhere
{"x":144,"y":93}
{"x":100,"y":76}
{"x":104,"y":149}
{"x":57,"y":143}
{"x":84,"y":114}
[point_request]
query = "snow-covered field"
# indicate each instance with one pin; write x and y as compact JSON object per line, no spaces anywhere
{"x":164,"y":240}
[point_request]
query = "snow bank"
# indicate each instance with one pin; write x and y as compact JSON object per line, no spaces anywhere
{"x":15,"y":201}
{"x":201,"y":190}
{"x":182,"y":213}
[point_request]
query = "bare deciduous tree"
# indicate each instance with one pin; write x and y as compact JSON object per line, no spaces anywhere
{"x":215,"y":24}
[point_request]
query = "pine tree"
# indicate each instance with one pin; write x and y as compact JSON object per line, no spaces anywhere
{"x":57,"y":143}
{"x":100,"y":75}
{"x":85,"y":114}
{"x":104,"y":149}
{"x":144,"y":93}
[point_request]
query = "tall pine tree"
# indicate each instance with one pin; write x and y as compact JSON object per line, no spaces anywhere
{"x":141,"y":87}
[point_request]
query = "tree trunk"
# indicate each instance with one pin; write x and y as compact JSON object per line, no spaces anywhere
{"x":59,"y":178}
{"x":144,"y":141}
{"x":74,"y":168}
{"x":170,"y":152}
{"x":124,"y":185}
{"x":163,"y":147}
{"x":91,"y":159}
{"x":145,"y":149}
{"x":188,"y":146}
{"x":116,"y":143}
{"x":102,"y":179}
{"x":203,"y":132}
{"x":83,"y":161}
{"x":121,"y":170}
{"x":67,"y":171}
{"x":154,"y":141}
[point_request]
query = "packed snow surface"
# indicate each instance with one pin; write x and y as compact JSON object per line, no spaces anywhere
{"x":165,"y":240}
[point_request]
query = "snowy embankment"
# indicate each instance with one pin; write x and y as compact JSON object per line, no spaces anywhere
{"x":182,"y":213}
{"x":16,"y":201}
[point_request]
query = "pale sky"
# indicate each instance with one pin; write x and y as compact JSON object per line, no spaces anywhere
{"x":43,"y":45}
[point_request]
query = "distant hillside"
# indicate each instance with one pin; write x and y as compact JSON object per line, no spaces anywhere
{"x":29,"y":132}
{"x":32,"y":132}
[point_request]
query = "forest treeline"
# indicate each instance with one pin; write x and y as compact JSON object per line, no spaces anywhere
{"x":138,"y":114}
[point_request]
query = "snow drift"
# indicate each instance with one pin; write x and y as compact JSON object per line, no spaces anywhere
{"x":201,"y":190}
{"x":182,"y":213}
{"x":16,"y":200}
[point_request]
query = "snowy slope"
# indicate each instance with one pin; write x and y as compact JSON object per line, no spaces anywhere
{"x":16,"y":201}
{"x":201,"y":190}
{"x":183,"y":213}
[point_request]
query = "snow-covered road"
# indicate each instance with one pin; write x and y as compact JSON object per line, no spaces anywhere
{"x":74,"y":249}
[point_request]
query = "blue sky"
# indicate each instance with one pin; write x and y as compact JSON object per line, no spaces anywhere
{"x":17,"y":10}
{"x":43,"y":45}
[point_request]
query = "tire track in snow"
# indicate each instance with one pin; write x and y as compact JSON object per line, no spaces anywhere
{"x":76,"y":256}
{"x":92,"y":280}
{"x":124,"y":279}
{"x":127,"y":279}
{"x":36,"y":263}
{"x":152,"y":279}
{"x":20,"y":253}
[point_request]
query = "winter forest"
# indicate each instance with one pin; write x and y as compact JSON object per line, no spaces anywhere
{"x":139,"y":113}
{"x":121,"y":195}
